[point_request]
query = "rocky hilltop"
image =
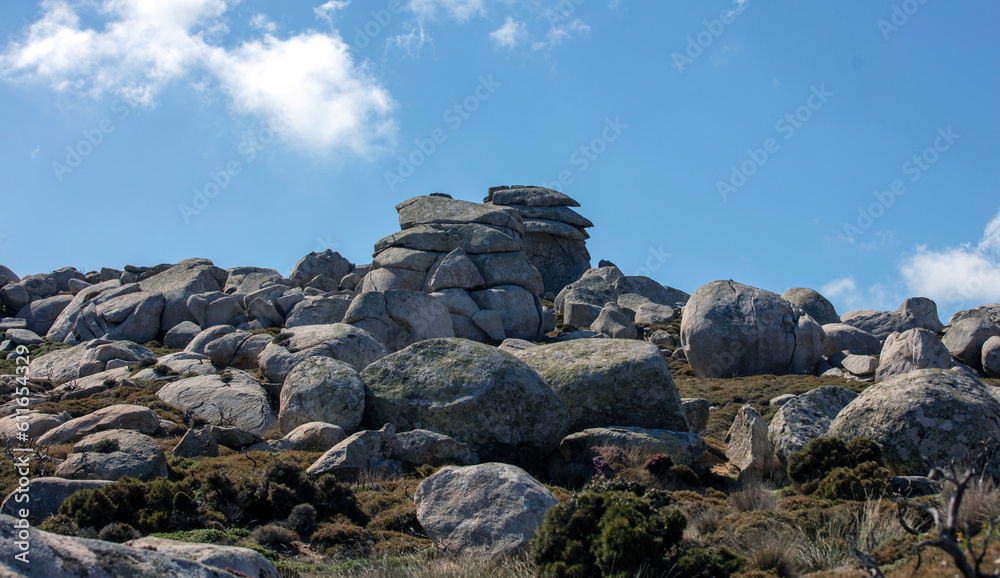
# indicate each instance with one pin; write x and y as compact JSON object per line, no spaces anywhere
{"x":475,"y":355}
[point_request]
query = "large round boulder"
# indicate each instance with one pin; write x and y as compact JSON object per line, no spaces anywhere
{"x":340,"y":341}
{"x":925,"y":419}
{"x":915,"y":312}
{"x":730,"y":329}
{"x":321,"y":389}
{"x":610,"y":382}
{"x":490,"y":509}
{"x":813,"y":304}
{"x":965,"y":339}
{"x":806,"y":417}
{"x":469,"y":391}
{"x":910,"y":350}
{"x":843,"y":337}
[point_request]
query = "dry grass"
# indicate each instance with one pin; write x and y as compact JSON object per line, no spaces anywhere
{"x":870,"y":527}
{"x":756,"y":494}
{"x":439,"y":566}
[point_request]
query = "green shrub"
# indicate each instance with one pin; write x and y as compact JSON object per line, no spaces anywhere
{"x":610,"y":534}
{"x":116,"y":532}
{"x":808,"y":467}
{"x":272,"y":535}
{"x":866,"y":480}
{"x":703,"y":563}
{"x":302,"y":519}
{"x":342,"y":539}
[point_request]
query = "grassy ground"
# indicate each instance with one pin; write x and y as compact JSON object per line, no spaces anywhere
{"x":367,"y":528}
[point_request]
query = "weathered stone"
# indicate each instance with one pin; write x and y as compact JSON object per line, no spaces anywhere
{"x":222,"y":350}
{"x":925,"y":419}
{"x":419,"y":447}
{"x":607,"y":382}
{"x":363,"y":451}
{"x":729,"y":329}
{"x":860,"y":365}
{"x":697,"y":413}
{"x":806,"y":417}
{"x":46,"y":495}
{"x":112,"y":455}
{"x":181,"y":335}
{"x":965,"y":340}
{"x":813,"y":304}
{"x":37,"y":424}
{"x":183,"y":363}
{"x":613,"y":322}
{"x":916,"y":312}
{"x":519,"y":309}
{"x":555,"y":229}
{"x":232,"y":437}
{"x":991,"y":357}
{"x":328,"y":263}
{"x":530,"y":196}
{"x":195,"y":443}
{"x":491,"y":323}
{"x":655,"y":314}
{"x":318,"y":311}
{"x":234,"y":398}
{"x":41,"y":315}
{"x":115,"y":417}
{"x":430,"y":210}
{"x":231,"y":559}
{"x":499,"y":269}
{"x":339,"y":341}
{"x":56,"y":556}
{"x":491,"y":509}
{"x":22,"y":337}
{"x":843,"y":337}
{"x":747,"y":445}
{"x":911,"y":350}
{"x":320,"y":389}
{"x":471,"y":392}
{"x":63,"y":324}
{"x":473,"y":238}
{"x":685,"y":448}
{"x":178,"y":283}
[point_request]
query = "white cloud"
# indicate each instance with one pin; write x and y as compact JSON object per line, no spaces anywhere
{"x":308,"y":79}
{"x":511,"y":34}
{"x":410,"y":43}
{"x":845,"y":294}
{"x":560,"y":31}
{"x":329,"y":10}
{"x":308,"y":82}
{"x":260,"y":22}
{"x":461,"y":10}
{"x":957,"y":277}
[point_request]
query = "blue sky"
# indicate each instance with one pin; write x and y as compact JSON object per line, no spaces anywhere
{"x":850,"y":147}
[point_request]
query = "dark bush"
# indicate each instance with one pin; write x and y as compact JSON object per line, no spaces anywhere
{"x":302,"y":519}
{"x":703,"y":563}
{"x":659,"y":464}
{"x":807,"y":468}
{"x":273,"y":535}
{"x":116,"y":532}
{"x":342,"y":539}
{"x":867,"y":480}
{"x":610,"y":534}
